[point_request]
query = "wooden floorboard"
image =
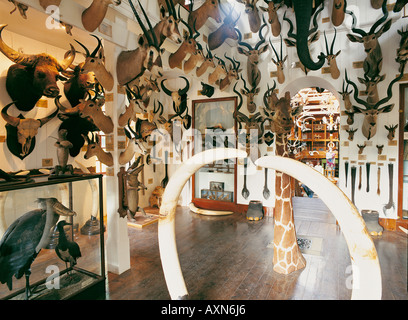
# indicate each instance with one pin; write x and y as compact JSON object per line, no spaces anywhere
{"x":228,"y":258}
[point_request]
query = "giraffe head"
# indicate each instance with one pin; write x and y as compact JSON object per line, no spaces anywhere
{"x":281,"y":115}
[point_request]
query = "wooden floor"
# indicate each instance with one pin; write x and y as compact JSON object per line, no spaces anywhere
{"x":229,"y":258}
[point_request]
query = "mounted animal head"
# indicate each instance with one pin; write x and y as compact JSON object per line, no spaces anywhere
{"x":33,"y":75}
{"x":95,"y":62}
{"x":232,"y":73}
{"x":267,"y":98}
{"x":178,"y":96}
{"x":371,"y":87}
{"x":93,"y":15}
{"x":402,"y":51}
{"x":361,"y":148}
{"x":338,"y":12}
{"x":331,"y":56}
{"x":272,"y":11}
{"x":209,"y":9}
{"x":351,"y":132}
{"x":399,"y":5}
{"x":132,"y":64}
{"x":93,"y":109}
{"x":189,"y":46}
{"x":250,"y":94}
{"x":195,"y":59}
{"x":345,"y":94}
{"x":373,"y":62}
{"x":94,"y":149}
{"x":21,"y":132}
{"x":253,"y":56}
{"x":391,"y":131}
{"x":350,"y":117}
{"x":380,"y":148}
{"x":167,"y":27}
{"x":219,"y":72}
{"x":253,"y":14}
{"x":226,"y":31}
{"x":135,"y":146}
{"x":279,"y":62}
{"x":207,"y":63}
{"x":304,"y":37}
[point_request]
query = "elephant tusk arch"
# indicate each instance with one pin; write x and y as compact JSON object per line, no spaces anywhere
{"x":364,"y":258}
{"x":166,"y":228}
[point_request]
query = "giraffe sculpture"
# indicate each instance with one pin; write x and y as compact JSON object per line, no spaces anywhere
{"x":287,"y":257}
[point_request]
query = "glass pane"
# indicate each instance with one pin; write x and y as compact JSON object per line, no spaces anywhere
{"x":215,"y":127}
{"x":405,"y":173}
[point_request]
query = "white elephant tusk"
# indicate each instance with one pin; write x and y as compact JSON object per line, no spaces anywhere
{"x":166,"y":229}
{"x":364,"y":258}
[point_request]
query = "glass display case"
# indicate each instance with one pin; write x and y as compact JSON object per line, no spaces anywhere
{"x":50,"y":277}
{"x":215,"y":127}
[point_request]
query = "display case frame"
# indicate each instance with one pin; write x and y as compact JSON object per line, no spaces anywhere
{"x":95,"y":287}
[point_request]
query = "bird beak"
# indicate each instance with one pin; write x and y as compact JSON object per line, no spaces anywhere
{"x":62,"y":210}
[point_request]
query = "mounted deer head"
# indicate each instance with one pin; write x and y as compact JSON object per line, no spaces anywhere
{"x":232,"y":74}
{"x":93,"y":109}
{"x":196,"y":59}
{"x":371,"y":87}
{"x":268,"y":100}
{"x":350,"y":117}
{"x":253,"y":14}
{"x":94,"y":149}
{"x":361,"y":148}
{"x":132,"y":64}
{"x":345,"y":94}
{"x":209,"y":9}
{"x":391,"y":131}
{"x":338,"y":12}
{"x":189,"y":46}
{"x":226,"y":31}
{"x":272,"y":10}
{"x":33,"y":75}
{"x":21,"y":132}
{"x":93,"y":15}
{"x":380,"y":148}
{"x":351,"y":132}
{"x":373,"y":62}
{"x":253,"y":56}
{"x":219,"y":72}
{"x":331,"y":57}
{"x":135,"y":146}
{"x":207,"y":63}
{"x":279,"y":62}
{"x":250,"y":94}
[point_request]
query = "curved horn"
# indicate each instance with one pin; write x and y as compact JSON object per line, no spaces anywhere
{"x":13,"y":121}
{"x":64,"y":109}
{"x":166,"y":91}
{"x":85,"y":48}
{"x":243,"y":43}
{"x":142,"y":26}
{"x":186,"y":88}
{"x":262,"y":39}
{"x":27,"y":60}
{"x":155,"y":42}
{"x":48,"y":118}
{"x":239,"y":95}
{"x":245,"y":86}
{"x":93,"y":54}
{"x":64,"y":64}
{"x":334,"y":39}
{"x":382,"y":19}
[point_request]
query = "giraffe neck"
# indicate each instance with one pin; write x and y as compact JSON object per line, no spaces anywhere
{"x":282,"y":145}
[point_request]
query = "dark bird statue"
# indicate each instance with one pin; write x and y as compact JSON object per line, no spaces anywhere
{"x":67,"y":251}
{"x":24,"y":239}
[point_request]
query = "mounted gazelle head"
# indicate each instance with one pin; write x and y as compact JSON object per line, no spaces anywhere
{"x":232,"y":74}
{"x":253,"y":14}
{"x":135,"y":146}
{"x":391,"y":131}
{"x":371,"y":87}
{"x":220,"y":71}
{"x":350,"y":117}
{"x":351,"y":132}
{"x":279,"y":62}
{"x":209,"y":9}
{"x":361,"y":148}
{"x":167,"y":27}
{"x":380,"y":148}
{"x":21,"y":132}
{"x":207,"y":63}
{"x":345,"y":94}
{"x":226,"y":31}
{"x":94,"y":149}
{"x":95,"y":62}
{"x":272,"y":10}
{"x":267,"y":98}
{"x":250,"y":94}
{"x":331,"y":56}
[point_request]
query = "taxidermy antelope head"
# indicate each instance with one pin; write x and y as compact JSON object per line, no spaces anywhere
{"x":210,"y":8}
{"x":95,"y":62}
{"x":351,"y":132}
{"x":93,"y":15}
{"x":232,"y":74}
{"x":331,"y":57}
{"x":361,"y":148}
{"x":196,"y":59}
{"x":207,"y":63}
{"x":94,"y":149}
{"x":253,"y":56}
{"x":267,"y":97}
{"x":219,"y":72}
{"x":380,"y":148}
{"x":272,"y":11}
{"x":21,"y":132}
{"x":391,"y":131}
{"x":345,"y":94}
{"x":279,"y":62}
{"x":402,"y":51}
{"x":226,"y":31}
{"x":167,"y":27}
{"x":93,"y":109}
{"x":371,"y":87}
{"x":253,"y":14}
{"x":350,"y":117}
{"x":250,"y":94}
{"x":189,"y":46}
{"x":373,"y":62}
{"x":135,"y":146}
{"x":33,"y":75}
{"x":130,"y":113}
{"x":338,"y":11}
{"x":132,"y":64}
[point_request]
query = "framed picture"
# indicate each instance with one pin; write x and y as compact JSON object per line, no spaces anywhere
{"x":216,"y":186}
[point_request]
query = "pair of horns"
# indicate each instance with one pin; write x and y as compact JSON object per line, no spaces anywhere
{"x":15,"y":121}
